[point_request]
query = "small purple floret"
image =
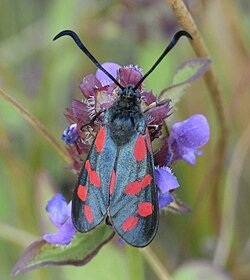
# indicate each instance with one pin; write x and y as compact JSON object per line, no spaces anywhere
{"x":60,"y":216}
{"x":187,"y":137}
{"x":57,"y":207}
{"x":166,"y":182}
{"x":70,"y":134}
{"x":164,"y":199}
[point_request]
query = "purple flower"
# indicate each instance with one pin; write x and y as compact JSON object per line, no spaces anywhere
{"x":60,"y":216}
{"x":112,"y":68}
{"x":70,"y":134}
{"x":186,"y":138}
{"x":121,"y":241}
{"x":166,"y":183}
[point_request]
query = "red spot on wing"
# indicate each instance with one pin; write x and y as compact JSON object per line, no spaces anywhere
{"x":145,"y":209}
{"x":133,"y":188}
{"x":129,"y":223}
{"x":146,"y":180}
{"x":100,"y":139}
{"x":136,"y":186}
{"x":94,"y":179}
{"x":87,"y":166}
{"x":93,"y":176}
{"x":82,"y":193}
{"x":140,"y":148}
{"x":88,"y":213}
{"x":148,"y":141}
{"x":112,"y":182}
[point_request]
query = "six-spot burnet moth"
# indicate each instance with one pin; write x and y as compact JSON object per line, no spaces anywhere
{"x":117,"y":180}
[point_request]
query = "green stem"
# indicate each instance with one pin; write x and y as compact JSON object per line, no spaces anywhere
{"x":37,"y":125}
{"x":155,"y":264}
{"x":16,"y":235}
{"x":233,"y":18}
{"x":135,"y":263}
{"x":232,"y":186}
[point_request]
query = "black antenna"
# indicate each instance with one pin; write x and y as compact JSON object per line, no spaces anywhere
{"x":79,"y":43}
{"x":172,"y":43}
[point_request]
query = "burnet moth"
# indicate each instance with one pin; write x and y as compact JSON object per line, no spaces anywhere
{"x":117,"y":181}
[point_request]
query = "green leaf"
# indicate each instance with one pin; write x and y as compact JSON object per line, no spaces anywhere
{"x":80,"y":251}
{"x":188,"y":72}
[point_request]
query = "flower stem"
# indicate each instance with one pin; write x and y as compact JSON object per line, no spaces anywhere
{"x":232,"y":186}
{"x":135,"y":263}
{"x":37,"y":125}
{"x":186,"y":21}
{"x":233,"y":18}
{"x":155,"y":264}
{"x":16,"y":235}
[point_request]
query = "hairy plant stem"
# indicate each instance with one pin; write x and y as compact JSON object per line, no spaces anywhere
{"x":135,"y":263}
{"x":16,"y":235}
{"x":232,"y":186}
{"x":37,"y":125}
{"x":231,"y":13}
{"x":155,"y":264}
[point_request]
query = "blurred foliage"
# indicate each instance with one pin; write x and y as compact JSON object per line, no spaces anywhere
{"x":44,"y":77}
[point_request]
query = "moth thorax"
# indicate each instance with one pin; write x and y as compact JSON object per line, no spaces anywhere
{"x":129,"y":98}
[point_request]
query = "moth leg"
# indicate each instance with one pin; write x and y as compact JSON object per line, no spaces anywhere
{"x":157,"y":104}
{"x":153,"y":126}
{"x":93,"y":119}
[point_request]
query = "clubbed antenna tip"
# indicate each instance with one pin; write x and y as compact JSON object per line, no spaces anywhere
{"x":172,"y":43}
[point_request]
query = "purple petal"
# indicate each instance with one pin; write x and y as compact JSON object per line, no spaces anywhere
{"x":64,"y":235}
{"x":157,"y":114}
{"x":121,"y":241}
{"x":112,"y":68}
{"x":70,"y":134}
{"x":165,"y":180}
{"x":80,"y":111}
{"x":189,"y":157}
{"x":58,"y":209}
{"x":191,"y":133}
{"x":177,"y":152}
{"x":164,"y":199}
{"x":160,"y":155}
{"x":148,"y":97}
{"x":130,"y":75}
{"x":69,"y":115}
{"x":88,"y":85}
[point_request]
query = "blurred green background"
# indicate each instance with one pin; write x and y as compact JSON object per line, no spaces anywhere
{"x":44,"y":77}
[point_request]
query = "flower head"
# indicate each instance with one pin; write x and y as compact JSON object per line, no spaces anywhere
{"x":100,"y":92}
{"x":60,"y":216}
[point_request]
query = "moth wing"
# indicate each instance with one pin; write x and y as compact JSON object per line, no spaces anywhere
{"x":91,"y":195}
{"x":133,"y":207}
